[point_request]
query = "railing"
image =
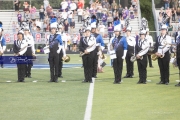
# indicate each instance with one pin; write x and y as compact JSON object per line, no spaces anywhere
{"x":139,"y":14}
{"x":155,"y":17}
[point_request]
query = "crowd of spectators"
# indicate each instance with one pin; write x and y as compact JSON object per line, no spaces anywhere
{"x":104,"y":10}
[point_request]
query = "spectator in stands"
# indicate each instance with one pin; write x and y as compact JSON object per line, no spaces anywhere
{"x":114,"y":6}
{"x":173,"y":15}
{"x":46,"y":3}
{"x":122,"y":23}
{"x":104,"y":18}
{"x":166,"y":3}
{"x":72,"y":26}
{"x":110,"y":3}
{"x":64,"y":5}
{"x":49,"y":10}
{"x":44,"y":26}
{"x":66,"y":26}
{"x":41,"y":13}
{"x":26,"y":7}
{"x":120,"y":10}
{"x":17,"y":5}
{"x":32,"y":12}
{"x":101,"y":29}
{"x":80,"y":4}
{"x":73,"y":6}
{"x":70,"y":16}
{"x":68,"y":41}
{"x":75,"y":41}
{"x":98,"y":12}
{"x":178,"y":13}
{"x":64,"y":15}
{"x":109,"y":19}
{"x":160,"y":18}
{"x":110,"y":31}
{"x":174,"y":4}
{"x":19,"y":17}
{"x":80,"y":13}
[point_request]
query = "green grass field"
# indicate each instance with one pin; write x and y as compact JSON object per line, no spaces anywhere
{"x":67,"y":100}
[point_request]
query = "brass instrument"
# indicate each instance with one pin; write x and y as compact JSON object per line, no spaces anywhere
{"x":66,"y":58}
{"x":155,"y":57}
{"x":82,"y":53}
{"x":133,"y":58}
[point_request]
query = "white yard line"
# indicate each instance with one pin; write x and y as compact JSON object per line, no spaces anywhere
{"x":87,"y":115}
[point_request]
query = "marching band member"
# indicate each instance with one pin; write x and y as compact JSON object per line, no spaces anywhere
{"x":30,"y":50}
{"x":88,"y":47}
{"x":118,"y":43}
{"x":178,"y":56}
{"x":55,"y":45}
{"x":20,"y":48}
{"x":62,"y":51}
{"x":162,"y":46}
{"x":130,"y":52}
{"x":142,"y":47}
{"x":150,"y":40}
{"x":2,"y":44}
{"x":99,"y":43}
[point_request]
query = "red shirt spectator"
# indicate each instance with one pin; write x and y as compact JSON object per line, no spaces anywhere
{"x":80,"y":4}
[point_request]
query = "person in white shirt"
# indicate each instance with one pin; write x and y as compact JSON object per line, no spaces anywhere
{"x":80,"y":13}
{"x":101,"y":29}
{"x":151,"y":44}
{"x":141,"y":49}
{"x":70,"y":16}
{"x":64,"y":15}
{"x":130,"y":52}
{"x":162,"y":47}
{"x":46,"y":3}
{"x":64,"y":5}
{"x":30,"y":51}
{"x":73,"y":6}
{"x":75,"y":41}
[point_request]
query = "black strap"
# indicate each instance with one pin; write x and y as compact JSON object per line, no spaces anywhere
{"x":53,"y":38}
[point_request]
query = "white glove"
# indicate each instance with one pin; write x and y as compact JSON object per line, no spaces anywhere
{"x":124,"y":54}
{"x":58,"y":51}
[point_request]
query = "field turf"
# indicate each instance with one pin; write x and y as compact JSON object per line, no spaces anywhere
{"x":67,"y":100}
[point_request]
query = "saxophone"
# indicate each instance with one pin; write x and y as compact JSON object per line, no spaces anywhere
{"x":133,"y":58}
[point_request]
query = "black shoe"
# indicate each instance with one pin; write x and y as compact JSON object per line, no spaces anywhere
{"x":130,"y":76}
{"x":60,"y":76}
{"x":160,"y":82}
{"x":166,"y":83}
{"x":2,"y":66}
{"x":84,"y":81}
{"x":56,"y":81}
{"x":51,"y":80}
{"x":151,"y":66}
{"x":127,"y":76}
{"x":177,"y":85}
{"x":139,"y":82}
{"x":116,"y":82}
{"x":29,"y":76}
{"x":22,"y":81}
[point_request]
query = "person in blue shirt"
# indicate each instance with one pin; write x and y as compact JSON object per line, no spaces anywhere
{"x":99,"y":45}
{"x":118,"y":44}
{"x":55,"y":44}
{"x":2,"y":44}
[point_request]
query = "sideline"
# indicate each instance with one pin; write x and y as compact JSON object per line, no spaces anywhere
{"x":87,"y":115}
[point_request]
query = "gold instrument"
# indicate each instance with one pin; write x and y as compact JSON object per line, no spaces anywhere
{"x":155,"y":57}
{"x":66,"y":58}
{"x":133,"y":58}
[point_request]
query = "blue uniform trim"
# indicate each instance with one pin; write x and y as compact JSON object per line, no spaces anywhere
{"x":3,"y":42}
{"x":122,"y":42}
{"x":99,"y":39}
{"x":58,"y":38}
